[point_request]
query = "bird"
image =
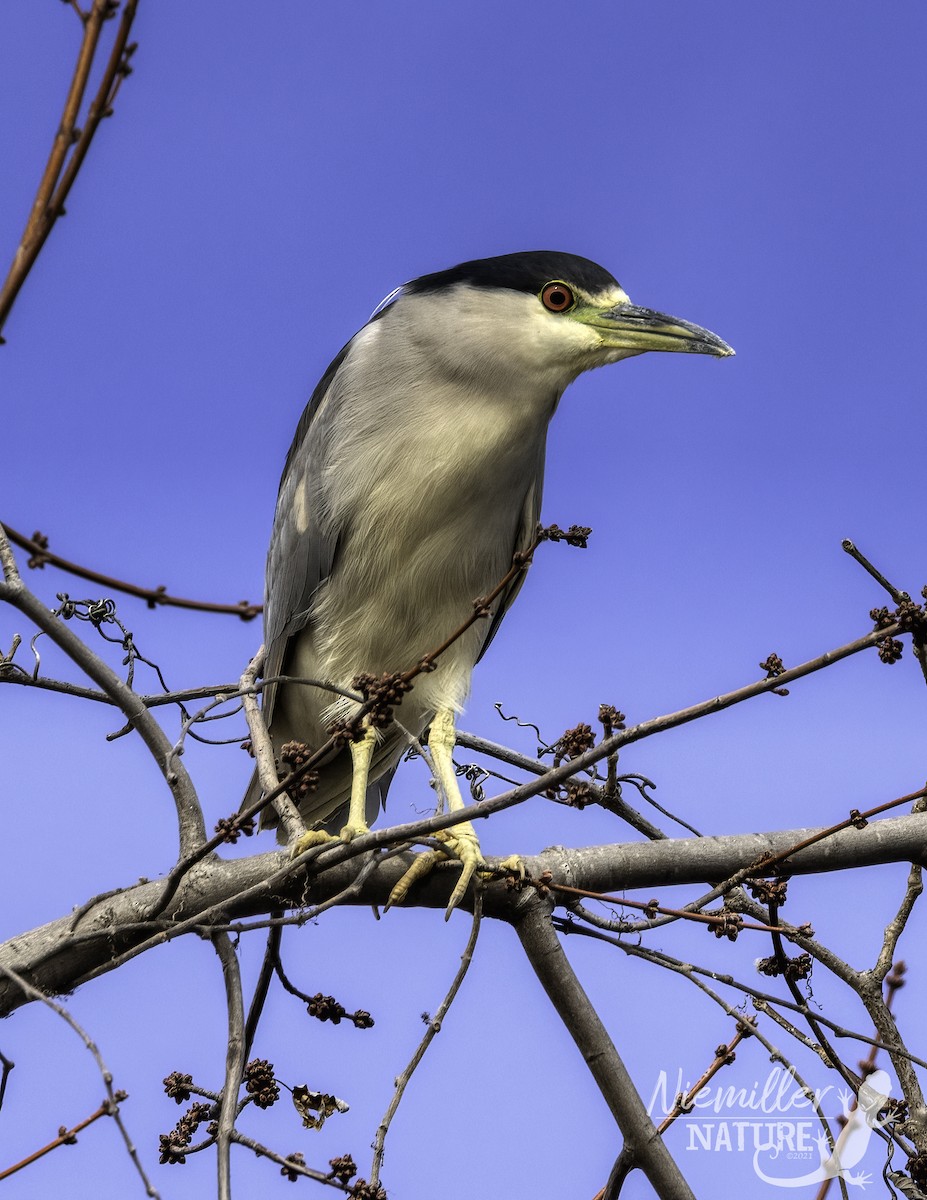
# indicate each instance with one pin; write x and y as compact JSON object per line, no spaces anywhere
{"x":414,"y":477}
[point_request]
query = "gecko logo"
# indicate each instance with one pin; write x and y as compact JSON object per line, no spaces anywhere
{"x":850,"y":1146}
{"x":777,"y":1120}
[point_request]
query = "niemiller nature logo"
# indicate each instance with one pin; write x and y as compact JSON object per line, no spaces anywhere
{"x":777,"y":1122}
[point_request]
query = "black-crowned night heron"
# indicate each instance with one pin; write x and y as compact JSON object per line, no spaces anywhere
{"x":414,"y":477}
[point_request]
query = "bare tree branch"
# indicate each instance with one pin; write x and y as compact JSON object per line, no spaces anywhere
{"x":294,"y":1168}
{"x":57,"y":958}
{"x":287,"y":812}
{"x":898,"y":923}
{"x":868,"y":987}
{"x":37,"y":547}
{"x":113,"y":1098}
{"x":643,"y":1143}
{"x":234,"y":1060}
{"x":6,"y":1066}
{"x":763,"y":1001}
{"x":434,"y":1028}
{"x":61,"y":171}
{"x":192,"y":830}
{"x":203,"y":894}
{"x":66,"y":1137}
{"x":268,"y":966}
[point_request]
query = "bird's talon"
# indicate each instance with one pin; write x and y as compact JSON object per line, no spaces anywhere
{"x":306,"y":841}
{"x":422,"y":865}
{"x":318,"y":837}
{"x":514,"y":864}
{"x":463,"y":843}
{"x":351,"y":831}
{"x":461,"y":888}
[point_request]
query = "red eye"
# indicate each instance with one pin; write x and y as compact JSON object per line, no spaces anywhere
{"x":557,"y":297}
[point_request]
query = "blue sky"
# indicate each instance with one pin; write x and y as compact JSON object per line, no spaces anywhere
{"x":268,"y":177}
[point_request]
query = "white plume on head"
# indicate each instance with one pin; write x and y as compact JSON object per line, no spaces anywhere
{"x":387,"y":301}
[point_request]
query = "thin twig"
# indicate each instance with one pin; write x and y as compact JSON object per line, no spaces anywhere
{"x":66,"y":1137}
{"x":876,"y":574}
{"x":296,"y":1168}
{"x":855,"y":820}
{"x":724,"y":1056}
{"x":234,"y":1059}
{"x":762,"y":866}
{"x":770,"y":1010}
{"x":153,"y":596}
{"x":225,"y":691}
{"x":262,"y":747}
{"x":40,"y":218}
{"x":690,"y":970}
{"x":850,"y":1078}
{"x":37,"y":546}
{"x":894,"y":981}
{"x":61,"y":171}
{"x":617,"y":804}
{"x":7,"y":1065}
{"x":434,"y":1027}
{"x":112,"y":1097}
{"x":192,"y":830}
{"x":680,"y":914}
{"x":869,"y":990}
{"x":895,"y":927}
{"x":482,"y":605}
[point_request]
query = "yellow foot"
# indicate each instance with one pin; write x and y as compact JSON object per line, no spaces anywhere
{"x":463,"y":844}
{"x":312,"y":837}
{"x":352,"y":830}
{"x":515,"y":865}
{"x":318,"y":837}
{"x":422,"y":865}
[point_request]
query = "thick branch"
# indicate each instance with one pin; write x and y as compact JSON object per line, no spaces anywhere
{"x":641,"y":1140}
{"x":56,"y":957}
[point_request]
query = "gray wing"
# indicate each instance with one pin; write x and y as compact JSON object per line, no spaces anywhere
{"x":299,"y":560}
{"x":527,"y":527}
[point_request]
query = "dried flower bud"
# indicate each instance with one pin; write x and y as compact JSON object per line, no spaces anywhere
{"x":343,"y":1168}
{"x":260,"y":1083}
{"x":177,"y":1086}
{"x":890,"y":650}
{"x":298,"y":1160}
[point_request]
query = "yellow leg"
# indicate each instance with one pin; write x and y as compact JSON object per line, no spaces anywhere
{"x":461,"y":840}
{"x":361,"y":754}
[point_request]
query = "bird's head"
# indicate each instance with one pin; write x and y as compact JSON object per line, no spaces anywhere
{"x":539,"y":311}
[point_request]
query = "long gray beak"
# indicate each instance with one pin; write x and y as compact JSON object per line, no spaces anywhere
{"x":628,"y":327}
